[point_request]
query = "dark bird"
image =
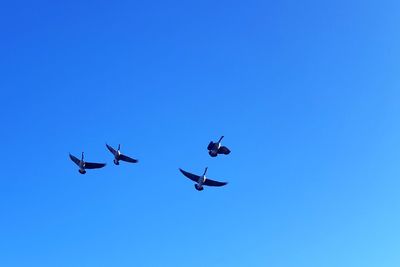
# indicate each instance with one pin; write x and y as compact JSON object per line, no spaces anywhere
{"x":201,"y":180}
{"x":85,"y":165}
{"x":215,"y":148}
{"x":118,"y":156}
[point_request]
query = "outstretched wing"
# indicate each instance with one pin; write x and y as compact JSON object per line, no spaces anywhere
{"x":210,"y":145}
{"x":224,"y":150}
{"x":91,"y":165}
{"x":112,"y":150}
{"x":127,"y":159}
{"x":191,"y":176}
{"x":74,"y":159}
{"x":213,"y":183}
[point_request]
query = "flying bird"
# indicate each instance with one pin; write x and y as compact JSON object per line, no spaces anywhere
{"x":215,"y":148}
{"x":85,"y":165}
{"x":118,"y":156}
{"x":201,"y":180}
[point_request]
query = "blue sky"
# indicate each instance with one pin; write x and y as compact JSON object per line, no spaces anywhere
{"x":306,"y":94}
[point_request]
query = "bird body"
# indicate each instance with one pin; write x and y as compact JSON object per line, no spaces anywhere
{"x":118,"y":156}
{"x":216,"y":148}
{"x":201,"y":180}
{"x":83,"y":165}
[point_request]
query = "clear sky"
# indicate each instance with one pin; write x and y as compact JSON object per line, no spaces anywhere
{"x":305,"y":92}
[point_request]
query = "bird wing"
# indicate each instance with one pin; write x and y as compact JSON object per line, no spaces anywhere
{"x":112,"y":150}
{"x":75,"y":159}
{"x":127,"y":159}
{"x":91,"y":165}
{"x":224,"y":150}
{"x":210,"y":145}
{"x":210,"y":182}
{"x":191,"y":176}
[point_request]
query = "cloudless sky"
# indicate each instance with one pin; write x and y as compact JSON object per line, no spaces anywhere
{"x":305,"y":92}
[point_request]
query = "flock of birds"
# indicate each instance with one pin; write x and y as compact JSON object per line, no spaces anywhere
{"x":214,"y":149}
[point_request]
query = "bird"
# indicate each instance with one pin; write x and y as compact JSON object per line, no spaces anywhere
{"x":215,"y":148}
{"x":85,"y":165}
{"x":118,"y":156}
{"x":201,"y":180}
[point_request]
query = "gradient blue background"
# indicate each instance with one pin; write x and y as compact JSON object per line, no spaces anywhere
{"x":306,"y":93}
